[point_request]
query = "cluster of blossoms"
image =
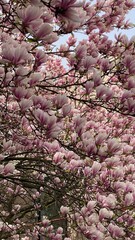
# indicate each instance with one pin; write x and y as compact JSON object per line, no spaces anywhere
{"x":67,"y":131}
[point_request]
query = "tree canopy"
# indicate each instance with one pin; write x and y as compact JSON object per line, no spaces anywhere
{"x":67,"y":120}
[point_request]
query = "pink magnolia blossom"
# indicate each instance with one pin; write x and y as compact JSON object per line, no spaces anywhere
{"x":42,"y":116}
{"x":129,"y":200}
{"x":1,"y":169}
{"x":25,"y":104}
{"x":95,"y":167}
{"x":113,"y":145}
{"x":22,"y":71}
{"x":88,"y":62}
{"x":1,"y":157}
{"x":15,"y":55}
{"x":71,"y":41}
{"x":1,"y":71}
{"x":20,"y":92}
{"x":43,"y":31}
{"x":66,"y":120}
{"x":66,"y":109}
{"x":104,"y":93}
{"x":51,"y":38}
{"x":131,"y":83}
{"x":129,"y":63}
{"x":59,"y":100}
{"x":74,"y":164}
{"x":87,"y":171}
{"x":104,"y":213}
{"x":34,"y":79}
{"x":91,"y":205}
{"x":69,"y":11}
{"x":115,"y":231}
{"x":90,"y":146}
{"x":45,"y":222}
{"x":58,"y":237}
{"x":100,"y":138}
{"x":29,"y":14}
{"x":81,"y":51}
{"x":89,"y":86}
{"x":64,"y":210}
{"x":40,"y":57}
{"x":9,"y":168}
{"x":7,"y":144}
{"x":58,"y":157}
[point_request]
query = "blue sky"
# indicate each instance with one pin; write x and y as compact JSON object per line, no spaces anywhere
{"x":130,"y":32}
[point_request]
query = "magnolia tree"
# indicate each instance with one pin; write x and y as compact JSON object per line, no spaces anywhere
{"x":66,"y":127}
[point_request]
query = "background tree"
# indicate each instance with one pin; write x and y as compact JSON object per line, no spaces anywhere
{"x":67,"y":130}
